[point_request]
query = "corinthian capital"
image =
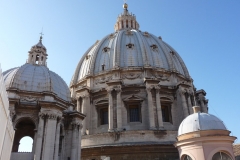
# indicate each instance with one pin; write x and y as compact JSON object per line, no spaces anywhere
{"x":76,"y":123}
{"x":109,"y":89}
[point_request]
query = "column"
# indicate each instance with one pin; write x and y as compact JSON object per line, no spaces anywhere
{"x":189,"y":103}
{"x":79,"y":142}
{"x":39,"y":137}
{"x":110,"y":111}
{"x":119,"y":110}
{"x":57,"y":139}
{"x":150,"y":110}
{"x":49,"y":142}
{"x":74,"y":142}
{"x":78,"y":105}
{"x":159,"y":109}
{"x":134,"y":27}
{"x":184,"y":103}
{"x":34,"y":142}
{"x":85,"y":108}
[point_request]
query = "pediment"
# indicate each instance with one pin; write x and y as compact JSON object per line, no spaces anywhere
{"x":133,"y":98}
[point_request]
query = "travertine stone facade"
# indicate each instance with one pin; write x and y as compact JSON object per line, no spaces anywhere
{"x":7,"y":132}
{"x":134,"y":90}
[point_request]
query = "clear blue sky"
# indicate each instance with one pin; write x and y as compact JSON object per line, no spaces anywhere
{"x":205,"y":33}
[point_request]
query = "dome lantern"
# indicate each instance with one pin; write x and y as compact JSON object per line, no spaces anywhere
{"x":126,"y":20}
{"x":38,"y":54}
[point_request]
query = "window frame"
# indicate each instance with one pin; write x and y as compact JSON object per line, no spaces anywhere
{"x":139,"y":106}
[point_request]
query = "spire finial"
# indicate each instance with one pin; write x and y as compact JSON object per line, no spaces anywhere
{"x":41,"y":35}
{"x":125,"y":5}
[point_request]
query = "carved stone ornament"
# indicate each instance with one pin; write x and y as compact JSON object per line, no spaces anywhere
{"x":162,"y":77}
{"x":76,"y":123}
{"x":131,"y":75}
{"x":103,"y":80}
{"x":31,"y":99}
{"x":50,"y":115}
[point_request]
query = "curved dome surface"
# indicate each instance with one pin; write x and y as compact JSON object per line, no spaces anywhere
{"x":128,"y":49}
{"x":200,"y":121}
{"x":36,"y":78}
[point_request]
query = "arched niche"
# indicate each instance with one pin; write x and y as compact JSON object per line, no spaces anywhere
{"x":24,"y":127}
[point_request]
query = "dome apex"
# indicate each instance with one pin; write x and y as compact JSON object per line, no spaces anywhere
{"x":126,"y":20}
{"x":125,"y":5}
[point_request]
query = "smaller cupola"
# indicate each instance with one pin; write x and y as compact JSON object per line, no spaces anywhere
{"x":126,"y":20}
{"x":38,"y":54}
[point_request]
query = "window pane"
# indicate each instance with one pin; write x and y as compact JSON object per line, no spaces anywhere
{"x":186,"y":157}
{"x":221,"y":156}
{"x":134,"y":114}
{"x":104,"y":116}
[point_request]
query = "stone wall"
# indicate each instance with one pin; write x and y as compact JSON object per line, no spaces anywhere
{"x":7,"y":132}
{"x":21,"y":156}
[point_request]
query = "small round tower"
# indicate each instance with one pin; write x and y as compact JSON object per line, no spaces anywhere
{"x":202,"y":136}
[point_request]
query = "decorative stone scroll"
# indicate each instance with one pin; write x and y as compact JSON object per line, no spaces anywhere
{"x":162,"y":77}
{"x":103,"y":80}
{"x":131,"y":76}
{"x":76,"y":123}
{"x":31,"y":99}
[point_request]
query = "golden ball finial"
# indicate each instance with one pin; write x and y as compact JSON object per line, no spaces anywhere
{"x":125,"y":6}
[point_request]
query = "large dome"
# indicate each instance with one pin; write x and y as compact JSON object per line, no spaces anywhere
{"x":36,"y":78}
{"x":200,"y":121}
{"x":129,"y":48}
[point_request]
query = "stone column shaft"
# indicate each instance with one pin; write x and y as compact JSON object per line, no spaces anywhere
{"x":110,"y":112}
{"x":85,"y":108}
{"x":119,"y":111}
{"x":190,"y":104}
{"x":78,"y":105}
{"x":150,"y":110}
{"x":79,"y":143}
{"x":74,"y":143}
{"x":184,"y":103}
{"x":39,"y":138}
{"x":57,"y":141}
{"x":159,"y":110}
{"x":49,"y":142}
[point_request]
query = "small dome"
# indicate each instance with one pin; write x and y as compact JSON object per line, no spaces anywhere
{"x":200,"y":121}
{"x":36,"y":78}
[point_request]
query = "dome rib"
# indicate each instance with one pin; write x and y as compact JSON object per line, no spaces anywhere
{"x":92,"y":66}
{"x":76,"y":73}
{"x":117,"y":48}
{"x":180,"y":60}
{"x":164,"y":50}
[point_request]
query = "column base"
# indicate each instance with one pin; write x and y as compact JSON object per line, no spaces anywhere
{"x":161,"y":129}
{"x":110,"y":130}
{"x":153,"y":128}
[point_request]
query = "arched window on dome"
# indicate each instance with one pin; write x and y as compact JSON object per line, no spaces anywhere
{"x":186,"y":157}
{"x":166,"y":104}
{"x":37,"y":59}
{"x":25,"y":144}
{"x":127,"y":24}
{"x":221,"y":156}
{"x":102,"y":110}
